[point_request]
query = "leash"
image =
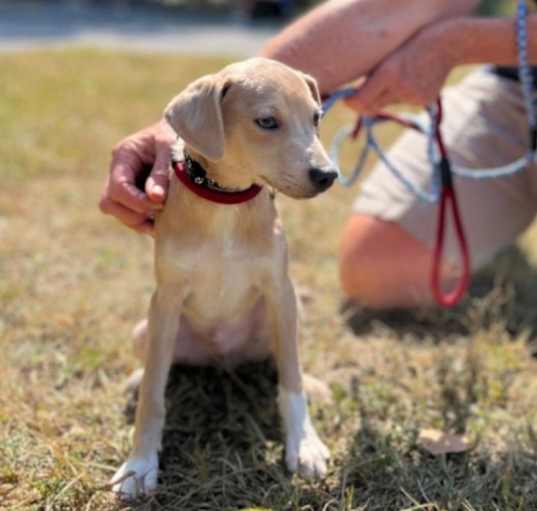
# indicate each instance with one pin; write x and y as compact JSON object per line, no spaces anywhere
{"x":442,"y":190}
{"x":448,"y":202}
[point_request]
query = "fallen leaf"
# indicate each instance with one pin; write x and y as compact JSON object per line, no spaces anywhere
{"x":437,"y":442}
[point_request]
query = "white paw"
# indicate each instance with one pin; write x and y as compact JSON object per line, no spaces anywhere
{"x":308,"y":455}
{"x":136,"y":477}
{"x":304,"y":450}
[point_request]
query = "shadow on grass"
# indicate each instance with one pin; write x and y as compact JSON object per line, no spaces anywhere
{"x":504,"y":291}
{"x":222,"y":445}
{"x":222,"y":450}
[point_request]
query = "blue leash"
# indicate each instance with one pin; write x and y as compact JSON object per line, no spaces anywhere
{"x":337,"y":96}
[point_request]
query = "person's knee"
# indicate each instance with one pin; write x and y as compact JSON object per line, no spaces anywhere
{"x":381,"y":265}
{"x":358,"y":264}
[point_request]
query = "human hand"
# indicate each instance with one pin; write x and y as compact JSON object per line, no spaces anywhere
{"x":139,"y":174}
{"x":413,"y":74}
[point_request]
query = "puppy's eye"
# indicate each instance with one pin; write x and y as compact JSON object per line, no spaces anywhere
{"x":267,"y":123}
{"x":316,"y":118}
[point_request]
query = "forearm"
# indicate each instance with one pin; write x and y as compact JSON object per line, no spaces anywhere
{"x":486,"y":40}
{"x":343,"y":39}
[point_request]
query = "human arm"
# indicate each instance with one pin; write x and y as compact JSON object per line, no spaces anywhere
{"x":490,"y":40}
{"x":416,"y":72}
{"x":343,"y":39}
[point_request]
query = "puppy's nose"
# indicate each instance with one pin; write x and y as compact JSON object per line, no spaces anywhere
{"x":322,"y":179}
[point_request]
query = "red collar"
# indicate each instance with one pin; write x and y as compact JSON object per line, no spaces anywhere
{"x":210,"y":194}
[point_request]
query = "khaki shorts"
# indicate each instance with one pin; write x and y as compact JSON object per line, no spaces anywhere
{"x":485,"y":125}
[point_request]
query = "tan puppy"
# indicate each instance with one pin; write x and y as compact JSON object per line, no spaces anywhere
{"x":223,"y":290}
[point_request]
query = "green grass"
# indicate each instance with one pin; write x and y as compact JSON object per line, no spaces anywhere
{"x":73,"y":283}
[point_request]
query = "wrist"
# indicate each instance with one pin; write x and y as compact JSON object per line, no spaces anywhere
{"x":444,"y":38}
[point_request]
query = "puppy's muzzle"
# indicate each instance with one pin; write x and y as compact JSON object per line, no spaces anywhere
{"x":322,"y":179}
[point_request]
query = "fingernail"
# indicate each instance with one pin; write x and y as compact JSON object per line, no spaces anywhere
{"x":158,"y":190}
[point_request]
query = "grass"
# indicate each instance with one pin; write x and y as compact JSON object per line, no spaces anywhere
{"x":73,"y":283}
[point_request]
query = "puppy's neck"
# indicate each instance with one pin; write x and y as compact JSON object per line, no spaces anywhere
{"x":187,"y":216}
{"x":226,"y":174}
{"x":190,"y":217}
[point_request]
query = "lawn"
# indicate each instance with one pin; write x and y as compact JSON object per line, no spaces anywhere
{"x":74,"y":282}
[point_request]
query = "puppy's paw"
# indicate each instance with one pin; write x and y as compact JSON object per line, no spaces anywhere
{"x":307,"y":455}
{"x":136,"y":477}
{"x":304,"y":450}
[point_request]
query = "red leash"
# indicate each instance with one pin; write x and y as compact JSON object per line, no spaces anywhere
{"x":448,"y":199}
{"x":448,"y":204}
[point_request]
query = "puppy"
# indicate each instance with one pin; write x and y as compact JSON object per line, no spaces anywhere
{"x":223,"y":292}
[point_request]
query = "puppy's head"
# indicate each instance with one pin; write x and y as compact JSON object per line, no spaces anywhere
{"x":258,"y":118}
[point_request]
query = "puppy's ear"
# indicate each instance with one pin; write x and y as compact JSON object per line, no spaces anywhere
{"x":196,"y":116}
{"x":313,"y":87}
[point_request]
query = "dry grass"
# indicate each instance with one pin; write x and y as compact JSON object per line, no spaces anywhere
{"x":73,"y":283}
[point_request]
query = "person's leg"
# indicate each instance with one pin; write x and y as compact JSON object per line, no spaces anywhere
{"x":382,"y":265}
{"x":386,"y":249}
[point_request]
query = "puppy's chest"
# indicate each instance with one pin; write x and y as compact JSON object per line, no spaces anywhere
{"x":223,"y":275}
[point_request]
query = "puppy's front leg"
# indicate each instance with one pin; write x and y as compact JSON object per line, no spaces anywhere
{"x":142,"y":464}
{"x":304,"y":449}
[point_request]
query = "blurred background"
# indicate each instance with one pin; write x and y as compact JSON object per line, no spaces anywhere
{"x":75,"y":78}
{"x":233,"y":27}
